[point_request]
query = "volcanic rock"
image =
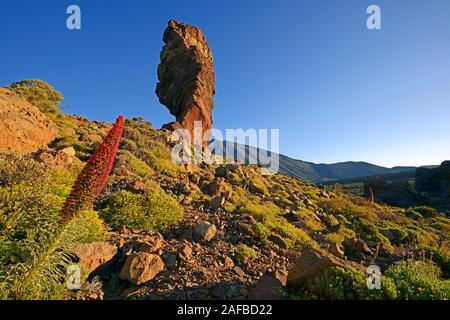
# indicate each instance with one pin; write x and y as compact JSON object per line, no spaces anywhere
{"x":141,"y":267}
{"x":92,"y":255}
{"x":311,"y":263}
{"x":204,"y":231}
{"x":186,"y":78}
{"x":23,"y":128}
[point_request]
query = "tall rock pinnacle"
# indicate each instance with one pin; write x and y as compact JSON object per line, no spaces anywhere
{"x":186,"y":77}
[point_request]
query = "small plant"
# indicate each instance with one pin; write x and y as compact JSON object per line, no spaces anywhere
{"x":426,"y":212}
{"x":418,"y":280}
{"x":246,"y":253}
{"x":347,"y":284}
{"x":261,"y":231}
{"x":154,"y":210}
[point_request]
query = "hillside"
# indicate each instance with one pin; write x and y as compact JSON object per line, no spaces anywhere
{"x":165,"y":231}
{"x":312,"y":172}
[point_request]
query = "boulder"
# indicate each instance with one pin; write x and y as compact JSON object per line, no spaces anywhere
{"x":311,"y":263}
{"x":64,"y":158}
{"x":278,"y":240}
{"x":217,"y":187}
{"x":268,"y":287}
{"x":185,"y":252}
{"x":217,"y":202}
{"x":204,"y":231}
{"x":141,"y":267}
{"x":93,"y":255}
{"x":186,"y":78}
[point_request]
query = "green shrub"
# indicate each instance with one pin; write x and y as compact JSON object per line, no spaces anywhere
{"x":442,"y":259}
{"x":135,"y":164}
{"x":426,"y":212}
{"x":347,"y":284}
{"x":94,"y":228}
{"x":411,"y":213}
{"x":417,"y":280}
{"x":271,"y":216}
{"x":39,"y":94}
{"x":260,"y":230}
{"x":15,"y":168}
{"x":153,"y":210}
{"x":246,"y":253}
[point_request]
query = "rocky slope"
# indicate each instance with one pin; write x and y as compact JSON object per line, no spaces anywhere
{"x":219,"y":231}
{"x":23,"y":128}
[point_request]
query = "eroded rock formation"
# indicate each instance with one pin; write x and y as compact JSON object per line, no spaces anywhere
{"x":23,"y":128}
{"x":186,"y":78}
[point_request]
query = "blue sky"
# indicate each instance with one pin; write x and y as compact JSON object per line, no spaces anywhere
{"x":336,"y":90}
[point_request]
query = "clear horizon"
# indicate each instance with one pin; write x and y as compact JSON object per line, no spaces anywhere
{"x":337,"y":91}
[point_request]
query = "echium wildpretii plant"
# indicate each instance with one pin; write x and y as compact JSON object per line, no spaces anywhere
{"x":92,"y":179}
{"x":46,"y":268}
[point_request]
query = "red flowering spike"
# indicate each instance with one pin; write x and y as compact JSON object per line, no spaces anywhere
{"x":92,"y":179}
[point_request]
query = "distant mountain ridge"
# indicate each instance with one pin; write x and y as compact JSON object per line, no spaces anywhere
{"x":309,"y":171}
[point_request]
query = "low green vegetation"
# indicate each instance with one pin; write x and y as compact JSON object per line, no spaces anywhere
{"x":31,"y":198}
{"x":246,"y":253}
{"x":271,"y":216}
{"x":419,"y":280}
{"x":347,"y":284}
{"x":39,"y":94}
{"x":153,"y":210}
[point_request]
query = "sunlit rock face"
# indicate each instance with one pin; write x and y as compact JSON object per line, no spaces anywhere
{"x":186,"y":78}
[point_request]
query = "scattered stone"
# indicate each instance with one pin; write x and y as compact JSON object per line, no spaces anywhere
{"x":228,"y":262}
{"x":141,"y":267}
{"x":239,"y":271}
{"x":217,"y":202}
{"x":186,"y":252}
{"x":92,"y":255}
{"x":269,"y":287}
{"x":222,"y":172}
{"x":278,"y":240}
{"x":217,"y":187}
{"x":187,"y":235}
{"x":204,"y":231}
{"x":171,"y":262}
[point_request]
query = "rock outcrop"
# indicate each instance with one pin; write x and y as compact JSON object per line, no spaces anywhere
{"x":23,"y":128}
{"x":93,"y":255}
{"x":186,"y":78}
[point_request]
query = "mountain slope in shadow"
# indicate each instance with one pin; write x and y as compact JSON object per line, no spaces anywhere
{"x":312,"y":172}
